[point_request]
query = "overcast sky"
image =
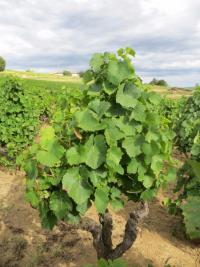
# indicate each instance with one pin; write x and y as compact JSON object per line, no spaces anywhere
{"x":51,"y":35}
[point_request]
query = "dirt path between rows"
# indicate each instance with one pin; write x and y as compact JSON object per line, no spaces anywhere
{"x":24,"y":244}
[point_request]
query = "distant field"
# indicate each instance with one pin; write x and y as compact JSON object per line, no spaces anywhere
{"x":45,"y":81}
{"x":56,"y":81}
{"x":170,"y":92}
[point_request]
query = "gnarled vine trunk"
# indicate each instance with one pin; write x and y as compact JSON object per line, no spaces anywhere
{"x":102,"y":233}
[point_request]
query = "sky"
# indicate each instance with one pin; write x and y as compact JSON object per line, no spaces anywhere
{"x":52,"y":35}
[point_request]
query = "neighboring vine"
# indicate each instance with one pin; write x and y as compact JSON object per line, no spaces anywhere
{"x":188,"y":124}
{"x":20,"y":116}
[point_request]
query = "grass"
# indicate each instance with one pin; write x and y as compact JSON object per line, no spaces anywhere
{"x":169,"y":92}
{"x":41,"y":76}
{"x":44,"y":81}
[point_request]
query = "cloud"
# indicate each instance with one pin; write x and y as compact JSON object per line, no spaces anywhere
{"x":53,"y":35}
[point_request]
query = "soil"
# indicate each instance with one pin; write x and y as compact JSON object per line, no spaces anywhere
{"x":24,"y":244}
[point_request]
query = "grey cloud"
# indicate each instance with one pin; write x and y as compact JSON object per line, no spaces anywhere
{"x":52,"y":34}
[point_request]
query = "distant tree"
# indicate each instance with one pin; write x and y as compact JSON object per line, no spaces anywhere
{"x":158,"y":82}
{"x":154,"y":81}
{"x":81,"y":73}
{"x":67,"y":73}
{"x":2,"y":64}
{"x":162,"y":83}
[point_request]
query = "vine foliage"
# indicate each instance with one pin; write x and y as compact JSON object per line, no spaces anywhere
{"x":112,"y":144}
{"x":20,"y":113}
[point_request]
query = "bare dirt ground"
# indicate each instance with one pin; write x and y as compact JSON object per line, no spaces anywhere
{"x":24,"y":244}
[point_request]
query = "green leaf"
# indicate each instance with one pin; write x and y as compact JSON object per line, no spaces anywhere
{"x":95,"y":151}
{"x":53,"y":147}
{"x":117,"y":204}
{"x":119,"y":71}
{"x":133,"y":166}
{"x":87,"y":76}
{"x":47,"y":158}
{"x":51,"y":151}
{"x":97,"y":177}
{"x":113,"y":134}
{"x":96,"y":62}
{"x":109,"y":88}
{"x":151,"y":136}
{"x":94,"y":89}
{"x":148,"y":194}
{"x":130,"y":51}
{"x":87,"y":121}
{"x":157,"y":164}
{"x":195,"y":167}
{"x":32,"y":197}
{"x":76,"y":186}
{"x":48,"y":219}
{"x":82,"y":208}
{"x":127,"y":95}
{"x":127,"y":127}
{"x":72,"y":219}
{"x":113,"y":157}
{"x":75,"y":155}
{"x":99,"y":107}
{"x":132,"y":146}
{"x":171,"y":174}
{"x":139,"y":113}
{"x":191,"y":213}
{"x":115,"y":192}
{"x":60,"y":203}
{"x":147,"y":181}
{"x":31,"y":169}
{"x":154,"y":98}
{"x":101,"y":199}
{"x":47,"y":134}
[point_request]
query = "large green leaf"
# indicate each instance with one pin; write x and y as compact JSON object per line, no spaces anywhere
{"x":51,"y":152}
{"x":127,"y":95}
{"x":75,"y":155}
{"x":54,"y":147}
{"x":113,"y":134}
{"x":98,"y":177}
{"x":95,"y":151}
{"x":146,"y":180}
{"x":32,"y":197}
{"x":97,"y":61}
{"x":133,"y":166}
{"x":132,"y":146}
{"x":114,"y":155}
{"x":101,"y":199}
{"x":157,"y":164}
{"x":76,"y":186}
{"x":119,"y":71}
{"x":154,"y":98}
{"x":60,"y":203}
{"x":148,"y":194}
{"x":88,"y":121}
{"x":139,"y":113}
{"x":109,"y":88}
{"x":127,"y":127}
{"x":87,"y":76}
{"x":31,"y":169}
{"x":46,"y":134}
{"x":99,"y":107}
{"x":47,"y":158}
